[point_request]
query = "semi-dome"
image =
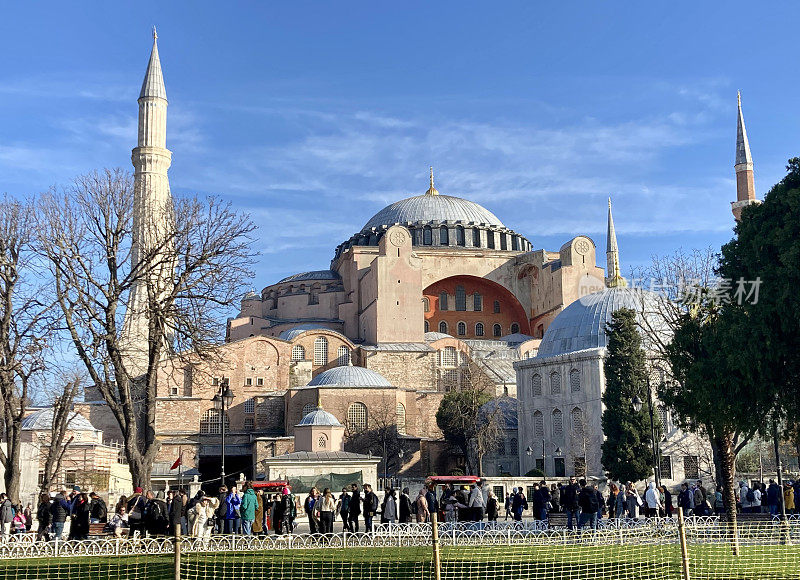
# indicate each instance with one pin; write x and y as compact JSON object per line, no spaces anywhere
{"x":582,"y":324}
{"x":312,"y":275}
{"x":347,"y":376}
{"x":432,"y":208}
{"x":43,"y":421}
{"x":319,"y":417}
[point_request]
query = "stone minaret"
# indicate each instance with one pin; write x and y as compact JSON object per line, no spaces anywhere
{"x":745,"y":184}
{"x":613,"y":276}
{"x":152,"y":213}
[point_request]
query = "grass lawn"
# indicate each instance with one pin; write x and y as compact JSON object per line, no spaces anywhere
{"x":567,"y":562}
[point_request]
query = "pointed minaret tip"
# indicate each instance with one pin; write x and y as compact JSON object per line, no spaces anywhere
{"x":153,"y":84}
{"x":743,"y":155}
{"x":614,"y":276}
{"x":432,"y":190}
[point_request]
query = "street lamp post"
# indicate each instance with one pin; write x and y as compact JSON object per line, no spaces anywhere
{"x":222,"y":402}
{"x":637,"y":406}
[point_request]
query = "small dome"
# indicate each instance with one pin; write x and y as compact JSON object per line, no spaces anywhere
{"x":434,"y":336}
{"x":252,"y":295}
{"x":313,"y":275}
{"x":43,"y":421}
{"x":582,"y":324}
{"x":506,"y":407}
{"x":426,"y":208}
{"x":319,"y":417}
{"x":296,"y":331}
{"x":516,"y":338}
{"x":347,"y":376}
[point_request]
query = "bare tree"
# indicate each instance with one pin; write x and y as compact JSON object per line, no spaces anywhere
{"x":381,"y":435}
{"x":23,"y":319}
{"x":192,"y":273}
{"x":57,"y":444}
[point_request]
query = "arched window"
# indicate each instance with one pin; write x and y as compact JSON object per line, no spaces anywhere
{"x":514,"y":328}
{"x":555,"y":383}
{"x":460,"y":241}
{"x":343,"y":356}
{"x":477,"y":302}
{"x":210,"y":422}
{"x":479,"y":329}
{"x":497,"y":330}
{"x":444,"y":236}
{"x":298,"y":353}
{"x":514,"y":243}
{"x":462,"y":329}
{"x":443,"y":327}
{"x":426,"y":304}
{"x":307,"y":408}
{"x":476,"y":237}
{"x":321,"y":351}
{"x":401,"y":418}
{"x":448,"y":357}
{"x":322,"y":442}
{"x":538,"y":424}
{"x":514,"y":445}
{"x":461,"y":299}
{"x":663,"y":416}
{"x":497,"y":307}
{"x":578,"y":425}
{"x":427,"y":236}
{"x":357,"y":417}
{"x":490,"y":239}
{"x":558,"y":424}
{"x":503,"y":242}
{"x":442,"y":300}
{"x":536,"y":385}
{"x":575,"y":381}
{"x":427,"y":326}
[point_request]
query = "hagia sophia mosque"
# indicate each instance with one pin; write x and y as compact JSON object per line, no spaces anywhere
{"x":432,"y":293}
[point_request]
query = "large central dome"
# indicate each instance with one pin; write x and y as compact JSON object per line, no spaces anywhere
{"x":432,"y":208}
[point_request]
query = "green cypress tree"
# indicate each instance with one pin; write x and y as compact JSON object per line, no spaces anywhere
{"x":627,"y":454}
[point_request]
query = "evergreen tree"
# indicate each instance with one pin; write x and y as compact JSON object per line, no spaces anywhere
{"x":627,"y":453}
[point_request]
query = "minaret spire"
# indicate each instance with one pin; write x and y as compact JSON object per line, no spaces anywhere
{"x":152,"y":215}
{"x":613,"y":276}
{"x":745,"y":183}
{"x":432,"y":190}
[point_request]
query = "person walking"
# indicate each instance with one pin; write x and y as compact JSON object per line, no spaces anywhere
{"x":389,"y":508}
{"x":519,"y":504}
{"x":555,"y":498}
{"x":433,"y":502}
{"x":177,"y":512}
{"x":136,"y":505}
{"x":635,"y":502}
{"x":541,"y":501}
{"x":98,"y":509}
{"x":477,"y":503}
{"x":652,"y":498}
{"x":354,"y":509}
{"x":668,"y":507}
{"x":59,"y":509}
{"x":205,"y":512}
{"x":507,"y":504}
{"x":587,"y":501}
{"x":788,"y":498}
{"x":81,"y":514}
{"x":247,"y":509}
{"x":370,"y":506}
{"x":44,"y":517}
{"x":156,"y":517}
{"x":684,"y":500}
{"x":491,"y":506}
{"x":570,"y":503}
{"x":423,"y":515}
{"x":404,"y":508}
{"x":309,"y":509}
{"x":326,"y":510}
{"x":233,"y":516}
{"x":343,"y":506}
{"x":6,"y":514}
{"x":621,"y":502}
{"x":611,"y":502}
{"x":191,"y":512}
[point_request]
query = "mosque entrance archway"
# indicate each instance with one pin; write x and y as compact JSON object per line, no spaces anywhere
{"x":475,"y":308}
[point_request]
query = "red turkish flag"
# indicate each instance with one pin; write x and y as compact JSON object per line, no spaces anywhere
{"x":177,"y":463}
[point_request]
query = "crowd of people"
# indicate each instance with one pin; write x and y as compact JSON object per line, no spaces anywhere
{"x":257,"y":512}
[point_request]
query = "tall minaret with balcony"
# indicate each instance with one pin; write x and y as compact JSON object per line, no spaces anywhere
{"x":152,"y":215}
{"x":745,"y":183}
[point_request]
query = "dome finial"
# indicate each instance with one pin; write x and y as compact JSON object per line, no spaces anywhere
{"x":432,"y":190}
{"x":155,"y":34}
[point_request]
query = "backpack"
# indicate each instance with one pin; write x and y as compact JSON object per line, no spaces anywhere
{"x":751,"y":496}
{"x":346,"y":503}
{"x":374,"y":503}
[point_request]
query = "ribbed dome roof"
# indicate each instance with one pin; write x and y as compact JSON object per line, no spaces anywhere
{"x":295,"y":331}
{"x":43,"y":420}
{"x":582,"y":324}
{"x":425,"y":208}
{"x":347,"y":376}
{"x":434,"y":336}
{"x":313,"y":275}
{"x":319,"y":417}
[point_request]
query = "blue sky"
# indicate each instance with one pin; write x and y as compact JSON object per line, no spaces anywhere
{"x":312,"y":116}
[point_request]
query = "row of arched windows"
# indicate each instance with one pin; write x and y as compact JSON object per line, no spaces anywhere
{"x":321,"y":353}
{"x":557,"y":423}
{"x":555,"y":383}
{"x":461,"y":238}
{"x":460,"y":301}
{"x":480,"y":329}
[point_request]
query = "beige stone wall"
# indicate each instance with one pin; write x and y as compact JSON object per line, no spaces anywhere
{"x":412,"y":370}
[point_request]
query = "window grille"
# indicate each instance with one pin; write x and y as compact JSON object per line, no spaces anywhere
{"x":477,"y":302}
{"x":210,"y":422}
{"x":665,"y":466}
{"x":322,"y":442}
{"x":443,"y":301}
{"x":536,"y":385}
{"x":298,"y":353}
{"x":555,"y":383}
{"x":514,"y":446}
{"x":558,"y":424}
{"x":249,"y":423}
{"x":343,"y":356}
{"x":538,"y":424}
{"x":444,"y":236}
{"x":578,"y":427}
{"x":357,"y":417}
{"x":691,"y":467}
{"x":308,"y":408}
{"x":461,"y":299}
{"x":462,"y":329}
{"x":479,"y":329}
{"x":427,"y":236}
{"x":575,"y":381}
{"x":321,"y":351}
{"x":443,"y":327}
{"x":448,"y":357}
{"x":497,"y":330}
{"x":497,"y":307}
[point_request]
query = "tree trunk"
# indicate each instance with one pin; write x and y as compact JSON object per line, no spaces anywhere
{"x":719,"y":478}
{"x":724,"y":443}
{"x":12,"y":469}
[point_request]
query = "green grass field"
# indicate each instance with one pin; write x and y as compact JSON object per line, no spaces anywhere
{"x":469,"y":563}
